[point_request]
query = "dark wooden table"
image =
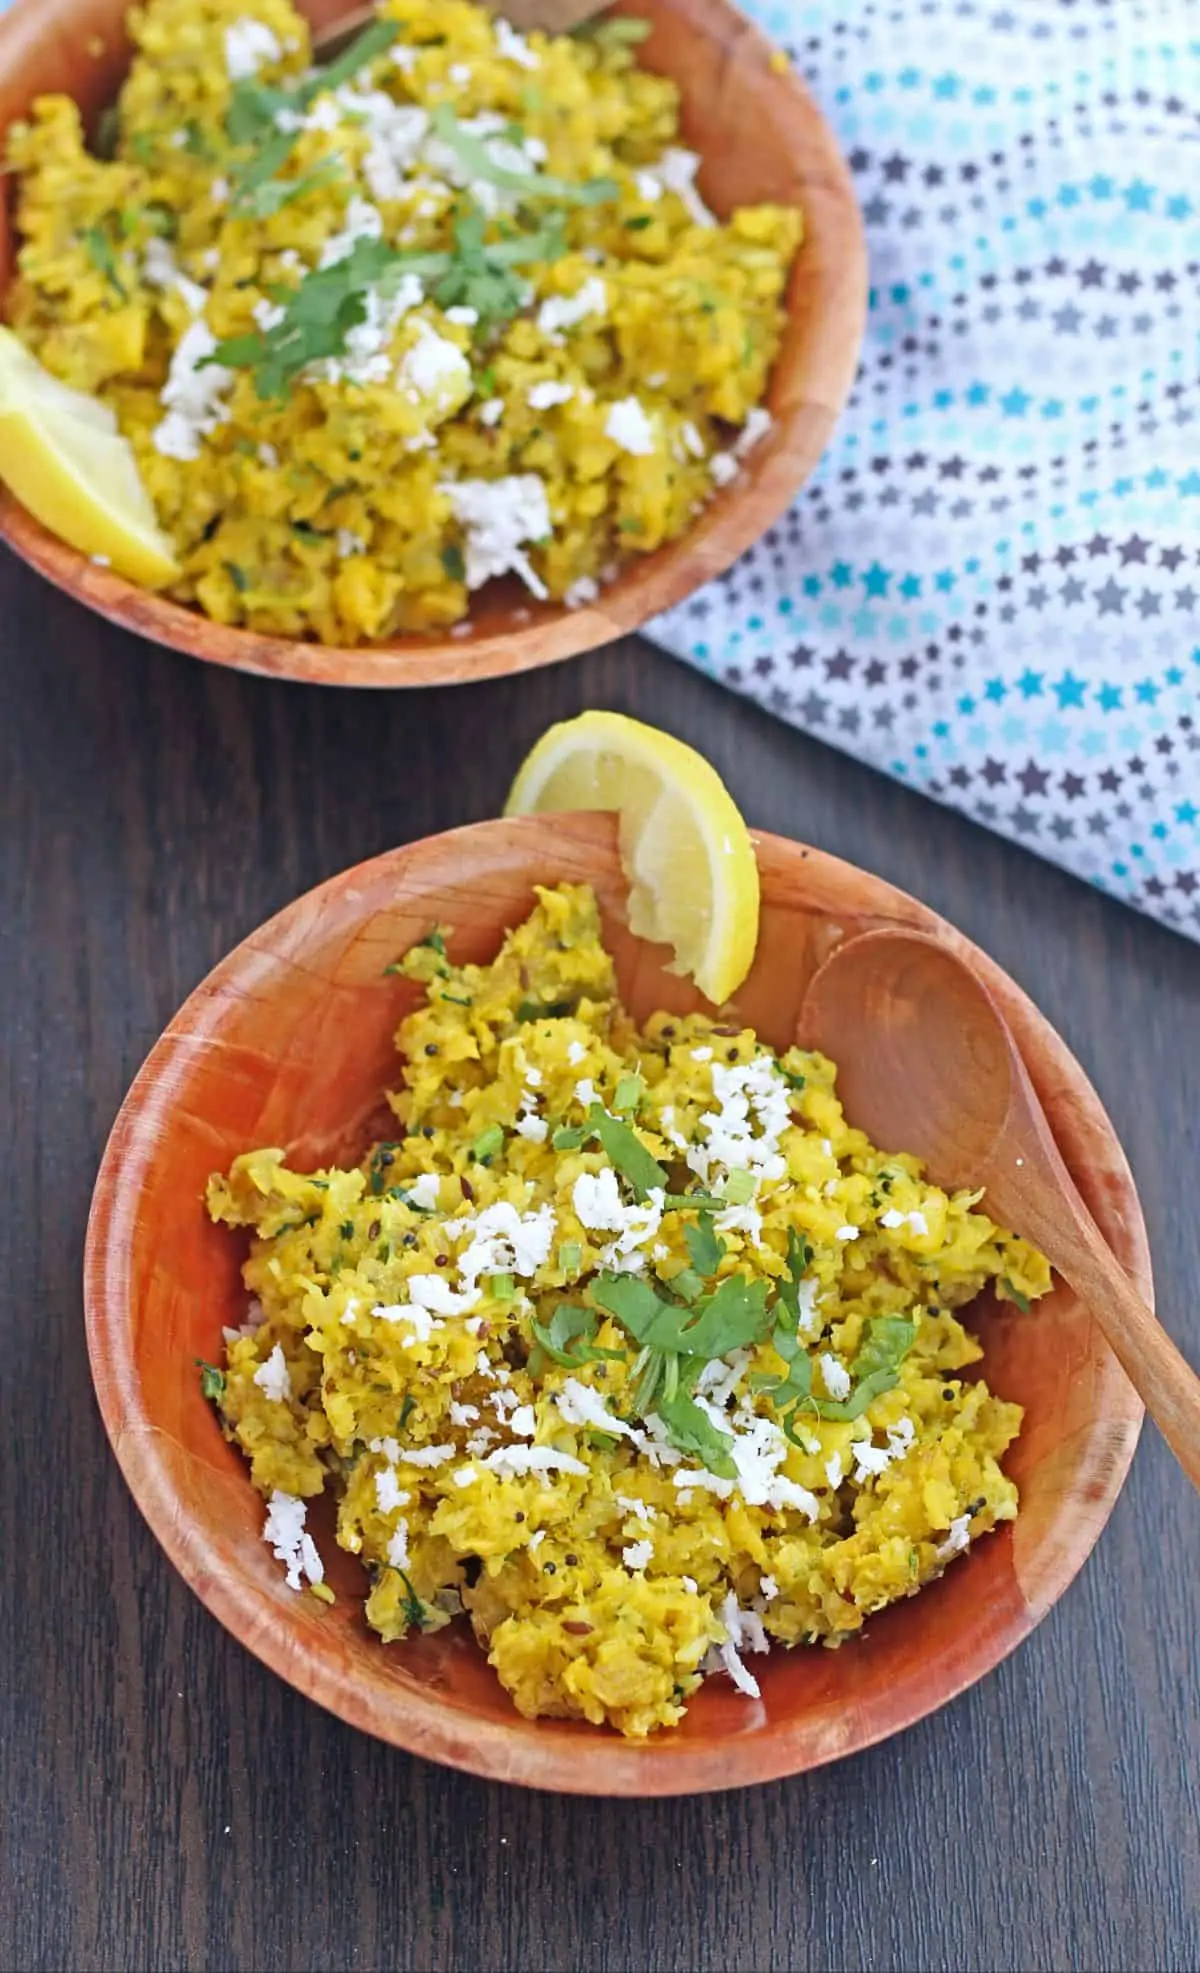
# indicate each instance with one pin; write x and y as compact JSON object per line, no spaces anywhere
{"x":168,"y":1802}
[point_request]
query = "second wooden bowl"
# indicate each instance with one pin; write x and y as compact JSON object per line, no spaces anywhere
{"x":289,"y":1042}
{"x":761,"y":138}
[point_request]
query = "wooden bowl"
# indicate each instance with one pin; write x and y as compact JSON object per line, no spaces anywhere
{"x":289,"y":1042}
{"x":761,"y":137}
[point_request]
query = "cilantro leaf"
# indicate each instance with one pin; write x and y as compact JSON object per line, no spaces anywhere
{"x":103,"y":257}
{"x":691,"y":1430}
{"x":318,"y":316}
{"x":374,"y":40}
{"x":860,"y":1397}
{"x":629,"y":1093}
{"x":320,"y":312}
{"x":212,"y":1381}
{"x":259,"y":201}
{"x":567,"y":1339}
{"x":1015,"y":1295}
{"x":487,"y":1144}
{"x":254,"y":107}
{"x":476,"y":158}
{"x":479,"y":273}
{"x":632,"y":1300}
{"x":799,"y":1254}
{"x":251,"y":183}
{"x":569,"y":1137}
{"x":624,"y":1149}
{"x":886,"y":1342}
{"x":412,"y":1608}
{"x":727,"y":1320}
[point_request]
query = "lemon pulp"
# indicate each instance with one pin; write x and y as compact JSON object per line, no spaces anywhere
{"x":63,"y":457}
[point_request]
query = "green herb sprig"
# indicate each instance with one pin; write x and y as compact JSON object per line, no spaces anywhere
{"x":255,"y":107}
{"x":567,"y":1338}
{"x":102,"y":254}
{"x":530,"y":186}
{"x":320,"y":312}
{"x":212,"y":1381}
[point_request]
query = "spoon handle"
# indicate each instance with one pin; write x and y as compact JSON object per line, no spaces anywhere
{"x":1158,"y":1371}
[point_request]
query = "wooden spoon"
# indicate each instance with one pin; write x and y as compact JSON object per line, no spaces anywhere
{"x":554,"y":16}
{"x":926,"y":1063}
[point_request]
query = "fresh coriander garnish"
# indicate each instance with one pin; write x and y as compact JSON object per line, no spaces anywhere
{"x":544,"y":1010}
{"x":255,"y":107}
{"x":475,"y":157}
{"x":1015,"y":1295}
{"x":254,"y":178}
{"x":639,"y":221}
{"x":886,"y":1342}
{"x":101,"y":253}
{"x":212,"y":1381}
{"x":480,"y":274}
{"x":624,"y":1149}
{"x":406,"y":1411}
{"x":453,"y":563}
{"x":381,"y":1158}
{"x":320,"y":312}
{"x":567,"y":1338}
{"x":259,"y":201}
{"x":734,"y":1315}
{"x":487,"y":1144}
{"x":705,"y":1246}
{"x":628,"y":1094}
{"x":412,"y":1607}
{"x":435,"y":941}
{"x":692,"y":1430}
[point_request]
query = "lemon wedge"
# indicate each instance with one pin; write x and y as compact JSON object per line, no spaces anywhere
{"x":693,"y":877}
{"x":63,"y":457}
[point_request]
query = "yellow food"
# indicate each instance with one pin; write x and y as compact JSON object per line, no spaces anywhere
{"x":455,"y":311}
{"x":657,"y":1505}
{"x":684,"y":847}
{"x":63,"y":457}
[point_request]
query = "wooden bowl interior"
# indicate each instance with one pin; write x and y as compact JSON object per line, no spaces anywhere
{"x":289,"y":1042}
{"x":761,"y":138}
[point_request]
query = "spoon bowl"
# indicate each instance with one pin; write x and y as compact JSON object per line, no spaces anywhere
{"x":930,"y":1065}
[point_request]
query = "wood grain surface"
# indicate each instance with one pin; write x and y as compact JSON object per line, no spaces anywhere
{"x":168,"y":1803}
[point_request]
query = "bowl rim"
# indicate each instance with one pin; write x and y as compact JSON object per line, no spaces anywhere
{"x":733,"y":520}
{"x":420,"y":1722}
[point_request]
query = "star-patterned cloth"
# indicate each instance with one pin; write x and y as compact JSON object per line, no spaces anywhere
{"x":991,"y":586}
